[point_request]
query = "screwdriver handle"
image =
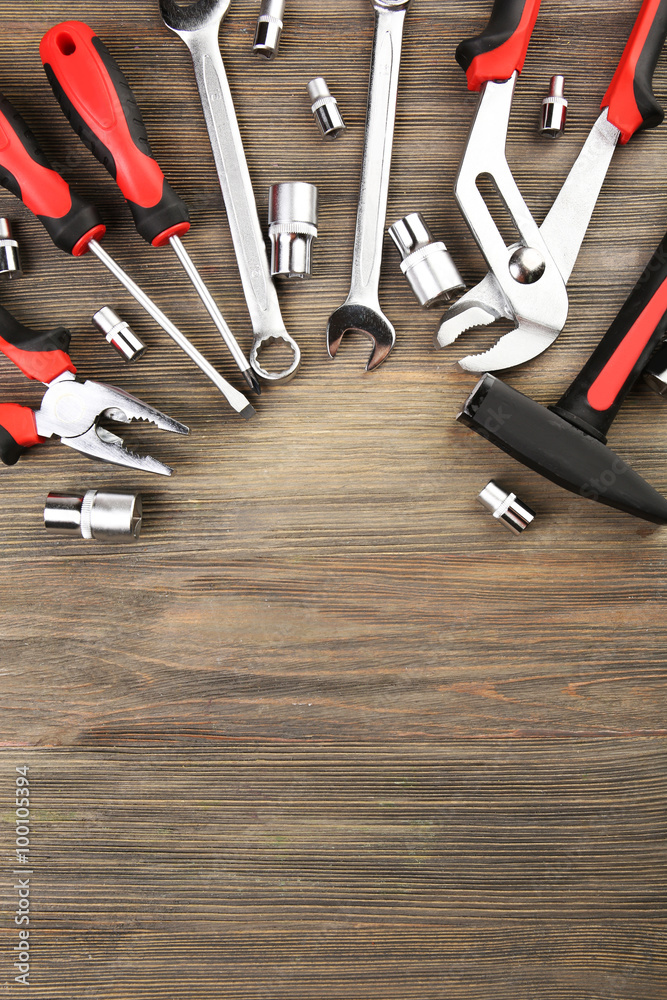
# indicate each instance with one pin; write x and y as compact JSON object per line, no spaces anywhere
{"x":18,"y":432}
{"x":629,"y":99}
{"x":595,"y":396}
{"x":501,"y":48}
{"x":40,"y":356}
{"x":100,"y":106}
{"x":25,"y":171}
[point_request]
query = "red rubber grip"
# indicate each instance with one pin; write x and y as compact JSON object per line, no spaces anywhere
{"x":629,"y":98}
{"x":40,"y":366}
{"x":501,"y":48}
{"x":606,"y":387}
{"x":68,"y":50}
{"x":19,"y":422}
{"x":42,"y":190}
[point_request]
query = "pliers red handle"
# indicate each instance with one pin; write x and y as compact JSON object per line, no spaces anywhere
{"x":70,"y":409}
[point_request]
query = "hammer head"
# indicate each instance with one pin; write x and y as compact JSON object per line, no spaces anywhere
{"x":546,"y":442}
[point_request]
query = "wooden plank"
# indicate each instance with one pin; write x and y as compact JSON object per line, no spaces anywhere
{"x":532,"y":868}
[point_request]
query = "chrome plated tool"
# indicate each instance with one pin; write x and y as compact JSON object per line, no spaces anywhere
{"x":527,"y":280}
{"x":361,"y":310}
{"x":76,"y":228}
{"x":198,"y":25}
{"x":102,"y":515}
{"x":99,"y":104}
{"x":70,"y":409}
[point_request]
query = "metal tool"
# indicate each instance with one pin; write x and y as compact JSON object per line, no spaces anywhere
{"x":655,"y":373}
{"x":10,"y":262}
{"x":507,"y":509}
{"x":566,"y":443}
{"x":198,"y":25}
{"x":76,"y":228}
{"x":119,"y":334}
{"x":269,"y":28}
{"x":292,"y":228}
{"x":361,"y":310}
{"x":554,"y":109}
{"x":325,"y":109}
{"x":427,"y":264}
{"x":99,"y":104}
{"x":527,"y":280}
{"x":70,"y":409}
{"x":103,"y":515}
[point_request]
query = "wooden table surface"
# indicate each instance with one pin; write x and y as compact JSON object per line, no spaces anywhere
{"x":328,"y":731}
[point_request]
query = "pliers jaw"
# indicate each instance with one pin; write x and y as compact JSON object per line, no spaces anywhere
{"x":73,"y":410}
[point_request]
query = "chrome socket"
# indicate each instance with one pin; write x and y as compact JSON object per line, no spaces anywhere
{"x":292,"y":228}
{"x":427,"y":264}
{"x":10,"y":261}
{"x":554,"y":109}
{"x":506,"y":508}
{"x":655,"y":373}
{"x":119,"y":334}
{"x":103,"y":516}
{"x":269,"y":28}
{"x":325,"y":109}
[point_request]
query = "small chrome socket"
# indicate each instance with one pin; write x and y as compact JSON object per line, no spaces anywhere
{"x":119,"y":334}
{"x":269,"y":28}
{"x":506,"y":508}
{"x":325,"y":109}
{"x":292,"y":228}
{"x":655,"y":373}
{"x":427,"y":264}
{"x":554,"y":109}
{"x":99,"y":515}
{"x":10,"y":261}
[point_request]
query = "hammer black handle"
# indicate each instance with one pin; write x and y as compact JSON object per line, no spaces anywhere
{"x":595,"y":396}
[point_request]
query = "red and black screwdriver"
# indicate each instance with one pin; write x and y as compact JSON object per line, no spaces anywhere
{"x":76,"y":227}
{"x":101,"y":108}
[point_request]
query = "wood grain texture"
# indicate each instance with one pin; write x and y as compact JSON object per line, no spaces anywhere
{"x":413,"y":871}
{"x":327,"y":730}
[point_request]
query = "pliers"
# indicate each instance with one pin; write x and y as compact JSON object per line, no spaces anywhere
{"x":527,"y":281}
{"x":70,"y":409}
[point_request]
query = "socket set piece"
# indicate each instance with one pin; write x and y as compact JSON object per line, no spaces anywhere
{"x":10,"y":262}
{"x":554,"y":109}
{"x":325,"y":109}
{"x":292,"y":228}
{"x":655,"y":373}
{"x":99,"y":515}
{"x":119,"y":334}
{"x":427,"y":264}
{"x":506,"y":508}
{"x":269,"y":28}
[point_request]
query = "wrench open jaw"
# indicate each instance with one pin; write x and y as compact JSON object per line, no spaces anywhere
{"x":527,"y":281}
{"x":353,"y":317}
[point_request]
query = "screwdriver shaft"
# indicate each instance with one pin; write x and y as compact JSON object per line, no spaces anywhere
{"x":214,"y":312}
{"x":235,"y":399}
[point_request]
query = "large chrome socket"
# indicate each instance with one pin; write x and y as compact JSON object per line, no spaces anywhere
{"x":292,"y":228}
{"x":427,"y":264}
{"x":104,"y":516}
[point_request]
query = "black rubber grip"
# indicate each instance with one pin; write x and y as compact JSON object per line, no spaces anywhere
{"x":651,"y":112}
{"x":10,"y":450}
{"x":595,"y":396}
{"x":503,"y":22}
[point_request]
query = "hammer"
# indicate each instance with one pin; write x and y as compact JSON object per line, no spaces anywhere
{"x":566,"y":443}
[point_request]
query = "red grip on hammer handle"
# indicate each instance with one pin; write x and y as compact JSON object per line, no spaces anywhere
{"x":597,"y":393}
{"x":501,"y":48}
{"x":25,"y":171}
{"x":101,"y":108}
{"x":629,"y":99}
{"x":18,"y":432}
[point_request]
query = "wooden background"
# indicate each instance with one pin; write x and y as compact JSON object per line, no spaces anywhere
{"x":328,"y":730}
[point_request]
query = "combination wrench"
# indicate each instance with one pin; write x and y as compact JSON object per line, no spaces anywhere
{"x":198,"y":25}
{"x":361,"y":310}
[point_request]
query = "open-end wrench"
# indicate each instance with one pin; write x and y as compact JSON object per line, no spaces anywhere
{"x":198,"y":25}
{"x":361,"y":310}
{"x":527,"y":281}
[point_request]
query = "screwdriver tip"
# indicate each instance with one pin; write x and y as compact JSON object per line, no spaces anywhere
{"x":248,"y":412}
{"x":252,"y":381}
